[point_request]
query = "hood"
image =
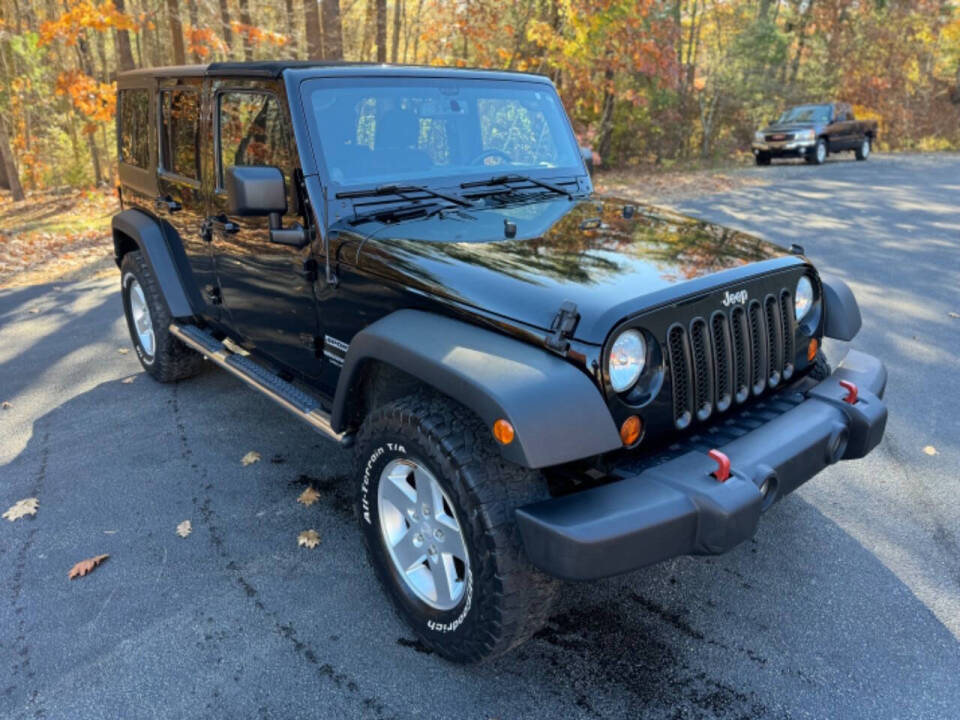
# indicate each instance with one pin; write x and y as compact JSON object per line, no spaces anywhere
{"x":585,"y":251}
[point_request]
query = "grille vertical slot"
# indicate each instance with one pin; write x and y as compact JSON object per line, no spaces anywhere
{"x":774,"y":340}
{"x":759,"y":371}
{"x":680,"y":376}
{"x":703,"y":364}
{"x":788,"y":318}
{"x":741,"y":353}
{"x":723,"y":362}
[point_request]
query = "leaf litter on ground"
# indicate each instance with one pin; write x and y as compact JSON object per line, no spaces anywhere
{"x":21,"y":508}
{"x":308,"y":539}
{"x":86,"y":566}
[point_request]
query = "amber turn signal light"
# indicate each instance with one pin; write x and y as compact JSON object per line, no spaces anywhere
{"x":630,"y":430}
{"x":503,"y":432}
{"x":812,"y":349}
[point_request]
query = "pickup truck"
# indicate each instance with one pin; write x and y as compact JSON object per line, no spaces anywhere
{"x":813,"y":132}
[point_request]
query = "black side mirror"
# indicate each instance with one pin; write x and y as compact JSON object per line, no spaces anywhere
{"x":587,"y":155}
{"x":258,"y":191}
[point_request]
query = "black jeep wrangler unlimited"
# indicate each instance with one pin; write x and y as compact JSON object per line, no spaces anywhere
{"x":539,"y":383}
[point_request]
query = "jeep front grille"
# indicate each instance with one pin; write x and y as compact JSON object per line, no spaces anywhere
{"x":718,"y":362}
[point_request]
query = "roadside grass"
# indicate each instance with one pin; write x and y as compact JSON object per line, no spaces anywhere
{"x":53,"y":232}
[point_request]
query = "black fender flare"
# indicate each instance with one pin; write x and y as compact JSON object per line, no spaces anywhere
{"x":147,"y":233}
{"x":558,"y":413}
{"x":843,"y":319}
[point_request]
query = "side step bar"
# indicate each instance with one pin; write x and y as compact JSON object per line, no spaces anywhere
{"x":259,"y":378}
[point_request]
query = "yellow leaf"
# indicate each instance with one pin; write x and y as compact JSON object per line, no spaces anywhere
{"x":308,"y":538}
{"x":309,"y":496}
{"x":250,"y":458}
{"x":184,"y":528}
{"x":22,"y":508}
{"x":127,"y":381}
{"x":930,"y":450}
{"x":123,"y":351}
{"x":85,"y":566}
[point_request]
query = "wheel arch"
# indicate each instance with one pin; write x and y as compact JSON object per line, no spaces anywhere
{"x":559,"y":415}
{"x":134,"y":230}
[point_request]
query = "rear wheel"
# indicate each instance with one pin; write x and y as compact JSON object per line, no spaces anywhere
{"x":162,"y":355}
{"x":863,"y":152}
{"x":435,"y":501}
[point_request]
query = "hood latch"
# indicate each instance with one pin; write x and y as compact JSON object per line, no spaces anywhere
{"x":562,"y":327}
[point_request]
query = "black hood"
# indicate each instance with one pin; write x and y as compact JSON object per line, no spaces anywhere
{"x":582,"y":250}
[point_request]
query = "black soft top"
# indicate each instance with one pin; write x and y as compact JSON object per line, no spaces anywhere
{"x":276,"y":68}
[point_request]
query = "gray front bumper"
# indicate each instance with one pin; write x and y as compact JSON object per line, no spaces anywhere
{"x":679,"y":508}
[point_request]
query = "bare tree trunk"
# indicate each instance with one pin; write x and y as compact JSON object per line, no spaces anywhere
{"x":416,"y":32}
{"x":291,"y":26}
{"x":332,"y":30}
{"x":194,"y":22}
{"x":397,"y":21}
{"x":381,"y":31}
{"x":246,"y":22}
{"x":176,"y":32}
{"x":227,"y":30}
{"x":605,"y":133}
{"x":9,"y":167}
{"x":122,"y":40}
{"x":315,"y":41}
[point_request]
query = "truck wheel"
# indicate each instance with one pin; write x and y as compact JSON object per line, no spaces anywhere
{"x":162,"y":355}
{"x":435,"y":501}
{"x":819,"y":154}
{"x":763,"y":158}
{"x":863,"y":152}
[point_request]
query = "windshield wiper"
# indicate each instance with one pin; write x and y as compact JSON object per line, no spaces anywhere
{"x":403,"y":191}
{"x":401,"y":213}
{"x":507,"y":179}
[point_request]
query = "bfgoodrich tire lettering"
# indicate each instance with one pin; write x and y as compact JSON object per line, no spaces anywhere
{"x":504,"y":599}
{"x":169,"y":359}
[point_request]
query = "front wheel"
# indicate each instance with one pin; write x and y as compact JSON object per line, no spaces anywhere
{"x":435,"y":501}
{"x":819,"y":154}
{"x":763,"y":158}
{"x":863,"y":152}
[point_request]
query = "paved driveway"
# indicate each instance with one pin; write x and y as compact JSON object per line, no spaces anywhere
{"x":846,"y":604}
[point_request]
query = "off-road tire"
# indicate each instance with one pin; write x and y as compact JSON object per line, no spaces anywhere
{"x":172,"y":360}
{"x":762,"y":158}
{"x":862,"y":153}
{"x":821,"y":368}
{"x":506,"y":599}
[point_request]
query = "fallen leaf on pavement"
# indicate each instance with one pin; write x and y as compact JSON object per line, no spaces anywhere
{"x":127,"y":381}
{"x":22,"y":508}
{"x":250,"y":458}
{"x":123,"y":351}
{"x":930,"y":450}
{"x":309,"y":496}
{"x":6,"y":405}
{"x":109,"y":532}
{"x":85,"y":566}
{"x":34,"y":311}
{"x":184,"y":528}
{"x":954,"y":315}
{"x":308,"y":538}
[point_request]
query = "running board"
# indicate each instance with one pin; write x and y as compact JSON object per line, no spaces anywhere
{"x":285,"y":394}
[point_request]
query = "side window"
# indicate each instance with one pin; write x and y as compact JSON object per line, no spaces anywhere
{"x":180,"y":132}
{"x":135,"y":127}
{"x":253,"y":131}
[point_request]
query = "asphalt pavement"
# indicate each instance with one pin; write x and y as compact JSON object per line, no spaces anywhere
{"x":845,"y":605}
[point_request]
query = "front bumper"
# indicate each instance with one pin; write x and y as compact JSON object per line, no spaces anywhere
{"x":679,"y":508}
{"x":789,"y":148}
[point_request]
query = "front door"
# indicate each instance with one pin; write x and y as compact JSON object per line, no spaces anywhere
{"x":181,"y":198}
{"x":268,"y":289}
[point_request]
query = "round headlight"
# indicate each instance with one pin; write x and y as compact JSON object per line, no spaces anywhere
{"x":627,"y":357}
{"x":803,"y":297}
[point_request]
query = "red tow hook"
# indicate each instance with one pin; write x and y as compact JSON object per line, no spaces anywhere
{"x":723,"y":465}
{"x":851,"y":389}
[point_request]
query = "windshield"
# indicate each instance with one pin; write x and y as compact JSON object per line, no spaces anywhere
{"x":807,"y":114}
{"x":380,"y":130}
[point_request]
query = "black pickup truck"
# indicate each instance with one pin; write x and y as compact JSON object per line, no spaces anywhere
{"x":538,"y":382}
{"x":813,"y":132}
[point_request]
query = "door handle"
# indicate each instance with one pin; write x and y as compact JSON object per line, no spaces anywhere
{"x":166,"y":203}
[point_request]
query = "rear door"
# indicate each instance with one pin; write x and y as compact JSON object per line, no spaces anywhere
{"x":181,"y":199}
{"x":268,"y":289}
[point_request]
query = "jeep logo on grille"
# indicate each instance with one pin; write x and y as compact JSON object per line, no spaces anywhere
{"x":734,"y":298}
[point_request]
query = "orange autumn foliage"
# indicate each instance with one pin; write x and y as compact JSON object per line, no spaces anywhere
{"x":97,"y":101}
{"x":82,"y":15}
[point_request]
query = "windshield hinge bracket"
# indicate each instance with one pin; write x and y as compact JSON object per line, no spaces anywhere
{"x":562,"y":327}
